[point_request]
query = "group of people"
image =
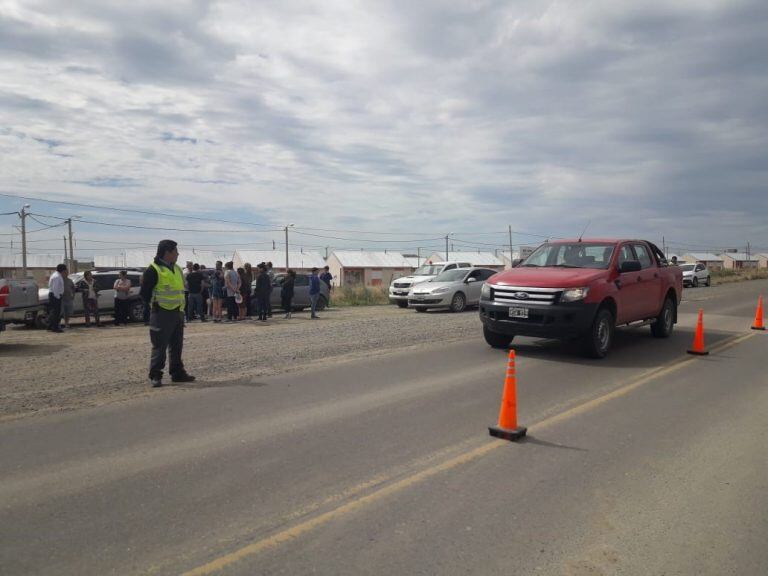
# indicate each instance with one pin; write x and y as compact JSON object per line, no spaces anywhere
{"x":242,"y":293}
{"x":62,"y":292}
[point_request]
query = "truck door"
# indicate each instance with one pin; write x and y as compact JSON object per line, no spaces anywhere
{"x":630,"y":289}
{"x":650,"y":280}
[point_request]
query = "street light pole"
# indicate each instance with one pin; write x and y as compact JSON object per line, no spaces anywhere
{"x":23,"y":216}
{"x":286,"y":246}
{"x":71,"y":250}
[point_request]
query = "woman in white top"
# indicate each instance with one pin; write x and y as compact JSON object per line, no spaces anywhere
{"x":122,"y":293}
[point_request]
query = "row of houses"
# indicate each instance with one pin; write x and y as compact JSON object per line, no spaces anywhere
{"x":348,"y":267}
{"x":726,"y":260}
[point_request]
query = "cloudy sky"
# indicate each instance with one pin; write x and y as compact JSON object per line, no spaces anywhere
{"x":387,"y":120}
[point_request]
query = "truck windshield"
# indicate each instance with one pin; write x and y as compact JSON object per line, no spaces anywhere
{"x":427,"y":270}
{"x":571,"y":255}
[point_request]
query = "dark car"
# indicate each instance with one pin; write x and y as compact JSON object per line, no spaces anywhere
{"x":300,"y":292}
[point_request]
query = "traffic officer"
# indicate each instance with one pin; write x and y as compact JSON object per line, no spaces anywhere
{"x":162,"y":288}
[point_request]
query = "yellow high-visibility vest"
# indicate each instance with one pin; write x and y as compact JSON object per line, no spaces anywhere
{"x":169,"y":290}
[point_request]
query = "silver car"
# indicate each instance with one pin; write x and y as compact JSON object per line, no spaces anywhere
{"x":695,"y":275}
{"x":453,"y":289}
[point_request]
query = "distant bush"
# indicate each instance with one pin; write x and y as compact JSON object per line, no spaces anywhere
{"x":359,"y":296}
{"x":727,"y":276}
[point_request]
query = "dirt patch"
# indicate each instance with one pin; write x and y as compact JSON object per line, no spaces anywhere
{"x":44,"y":372}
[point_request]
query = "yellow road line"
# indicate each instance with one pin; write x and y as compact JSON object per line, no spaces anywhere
{"x":294,"y":532}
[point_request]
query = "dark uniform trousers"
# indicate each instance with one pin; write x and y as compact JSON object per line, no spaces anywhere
{"x":166,"y":331}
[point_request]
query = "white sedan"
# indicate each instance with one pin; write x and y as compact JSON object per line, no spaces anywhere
{"x":453,"y":289}
{"x":696,"y":274}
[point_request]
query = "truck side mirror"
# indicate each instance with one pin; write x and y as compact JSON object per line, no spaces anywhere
{"x":630,"y":266}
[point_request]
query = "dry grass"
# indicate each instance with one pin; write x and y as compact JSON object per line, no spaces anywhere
{"x":729,"y":276}
{"x":359,"y":296}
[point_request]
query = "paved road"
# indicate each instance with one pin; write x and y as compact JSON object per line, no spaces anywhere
{"x":649,"y":462}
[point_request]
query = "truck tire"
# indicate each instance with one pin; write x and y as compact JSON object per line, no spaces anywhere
{"x":598,"y":340}
{"x":41,"y":319}
{"x":321,"y":303}
{"x":136,"y":311}
{"x":708,"y":283}
{"x":402,"y":304}
{"x":665,"y":321}
{"x":496,"y":340}
{"x":695,"y":282}
{"x":458,"y":302}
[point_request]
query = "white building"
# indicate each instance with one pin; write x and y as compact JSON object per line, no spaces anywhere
{"x":300,"y":261}
{"x":364,"y":268}
{"x":39,"y":266}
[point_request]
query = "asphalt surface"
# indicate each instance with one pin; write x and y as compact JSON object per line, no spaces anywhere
{"x":648,"y":462}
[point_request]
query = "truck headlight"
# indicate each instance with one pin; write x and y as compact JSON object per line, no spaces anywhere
{"x":574,"y":294}
{"x":485,"y":292}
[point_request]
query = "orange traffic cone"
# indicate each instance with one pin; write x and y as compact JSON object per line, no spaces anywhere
{"x":508,"y":428}
{"x":698,"y":339}
{"x":758,"y":325}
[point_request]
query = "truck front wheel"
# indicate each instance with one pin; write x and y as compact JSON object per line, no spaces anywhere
{"x":496,"y":340}
{"x":600,"y":336}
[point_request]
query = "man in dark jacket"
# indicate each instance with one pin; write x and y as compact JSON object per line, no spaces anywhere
{"x":162,"y":287}
{"x":263,"y":290}
{"x":314,"y":292}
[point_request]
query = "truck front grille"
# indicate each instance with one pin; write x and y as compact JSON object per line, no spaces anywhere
{"x":521,"y":295}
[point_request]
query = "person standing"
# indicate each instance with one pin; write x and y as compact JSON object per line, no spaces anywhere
{"x":327,"y":277}
{"x":263,"y":287}
{"x":247,"y":289}
{"x":195,"y":296}
{"x":314,"y":292}
{"x":90,"y":298}
{"x":286,"y":292}
{"x":218,"y":292}
{"x":122,"y":293}
{"x":187,"y":271}
{"x":271,"y":274}
{"x":68,"y":300}
{"x":242,"y":304}
{"x":232,"y":285}
{"x":163,"y":288}
{"x":55,"y":294}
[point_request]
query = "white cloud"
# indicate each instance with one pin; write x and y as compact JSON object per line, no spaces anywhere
{"x":410,"y":116}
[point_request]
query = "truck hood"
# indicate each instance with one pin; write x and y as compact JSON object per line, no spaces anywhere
{"x":547,"y":277}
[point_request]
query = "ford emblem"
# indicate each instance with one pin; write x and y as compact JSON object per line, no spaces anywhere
{"x":521,"y":295}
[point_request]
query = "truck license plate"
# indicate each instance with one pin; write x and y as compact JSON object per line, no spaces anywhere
{"x":517,"y":312}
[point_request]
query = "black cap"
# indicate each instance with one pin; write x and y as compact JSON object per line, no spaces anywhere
{"x":165,"y":246}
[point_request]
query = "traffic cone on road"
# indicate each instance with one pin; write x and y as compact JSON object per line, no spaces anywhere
{"x":698,"y":339}
{"x":507,"y":428}
{"x":758,"y":325}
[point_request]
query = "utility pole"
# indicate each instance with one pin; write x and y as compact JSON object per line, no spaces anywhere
{"x":273,"y":245}
{"x":511,"y":255}
{"x":23,"y":216}
{"x":446,"y":246}
{"x":418,"y":256}
{"x":65,"y":251}
{"x":72,"y":267}
{"x":286,"y":246}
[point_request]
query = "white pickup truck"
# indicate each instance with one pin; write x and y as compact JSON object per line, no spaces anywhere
{"x":398,"y":290}
{"x":19,"y":303}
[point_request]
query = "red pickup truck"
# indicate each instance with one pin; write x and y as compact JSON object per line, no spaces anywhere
{"x":582,"y":289}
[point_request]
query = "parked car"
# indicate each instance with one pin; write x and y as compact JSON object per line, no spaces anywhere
{"x":300,"y":292}
{"x":400,"y":287}
{"x":695,"y":274}
{"x":453,"y":289}
{"x":583,"y":290}
{"x":104,"y":284}
{"x":18,"y":302}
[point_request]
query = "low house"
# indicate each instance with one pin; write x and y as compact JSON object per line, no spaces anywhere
{"x":300,"y":261}
{"x":739,"y":260}
{"x":39,"y":266}
{"x":762,"y":260}
{"x":484,"y":259}
{"x":711,"y":261}
{"x":140,"y":259}
{"x":364,"y":268}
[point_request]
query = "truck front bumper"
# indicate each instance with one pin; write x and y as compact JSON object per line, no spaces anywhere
{"x":570,"y":320}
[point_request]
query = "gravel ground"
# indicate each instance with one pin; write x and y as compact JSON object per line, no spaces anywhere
{"x":44,"y":372}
